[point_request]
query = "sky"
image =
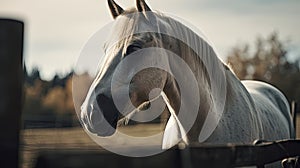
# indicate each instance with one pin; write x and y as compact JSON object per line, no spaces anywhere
{"x":56,"y":30}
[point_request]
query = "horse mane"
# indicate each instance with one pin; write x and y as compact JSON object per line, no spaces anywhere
{"x":197,"y":42}
{"x":204,"y":61}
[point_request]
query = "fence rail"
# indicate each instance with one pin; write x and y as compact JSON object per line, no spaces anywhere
{"x":194,"y":156}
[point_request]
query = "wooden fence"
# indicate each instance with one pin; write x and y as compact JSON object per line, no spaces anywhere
{"x":192,"y":157}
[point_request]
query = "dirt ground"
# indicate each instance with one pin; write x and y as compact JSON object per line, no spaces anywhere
{"x":35,"y":140}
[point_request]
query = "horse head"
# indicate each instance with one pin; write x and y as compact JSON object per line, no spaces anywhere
{"x":135,"y":37}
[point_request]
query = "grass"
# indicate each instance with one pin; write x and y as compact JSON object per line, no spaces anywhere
{"x":35,"y":140}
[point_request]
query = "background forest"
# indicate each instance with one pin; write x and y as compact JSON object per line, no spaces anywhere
{"x":268,"y":60}
{"x":50,"y":103}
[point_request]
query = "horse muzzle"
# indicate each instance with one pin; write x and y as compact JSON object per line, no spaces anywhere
{"x":100,"y":117}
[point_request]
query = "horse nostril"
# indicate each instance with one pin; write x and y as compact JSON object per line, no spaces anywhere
{"x":107,"y":106}
{"x":103,"y":100}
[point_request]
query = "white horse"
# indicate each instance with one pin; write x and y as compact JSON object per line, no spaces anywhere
{"x":252,"y":110}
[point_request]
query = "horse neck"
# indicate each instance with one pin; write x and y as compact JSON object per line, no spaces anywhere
{"x":173,"y":92}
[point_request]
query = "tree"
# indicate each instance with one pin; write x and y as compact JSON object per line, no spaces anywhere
{"x":268,"y":62}
{"x":48,"y":103}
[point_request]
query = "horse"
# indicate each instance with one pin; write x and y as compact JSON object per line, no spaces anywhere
{"x":251,"y":109}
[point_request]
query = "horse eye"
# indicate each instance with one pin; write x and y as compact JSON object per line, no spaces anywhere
{"x":132,"y":48}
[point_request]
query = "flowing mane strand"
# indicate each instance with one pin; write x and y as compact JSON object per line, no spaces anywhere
{"x":131,"y":22}
{"x":195,"y":50}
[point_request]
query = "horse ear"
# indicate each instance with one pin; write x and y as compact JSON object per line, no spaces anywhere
{"x":115,"y":9}
{"x":142,"y":6}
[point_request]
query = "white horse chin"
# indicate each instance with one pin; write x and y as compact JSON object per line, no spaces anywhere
{"x":174,"y":131}
{"x":141,"y":107}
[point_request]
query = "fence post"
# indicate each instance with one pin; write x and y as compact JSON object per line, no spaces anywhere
{"x":11,"y":83}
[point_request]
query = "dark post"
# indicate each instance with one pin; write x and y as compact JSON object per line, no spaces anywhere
{"x":11,"y":83}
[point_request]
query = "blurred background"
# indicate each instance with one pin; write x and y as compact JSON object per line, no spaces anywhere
{"x":258,"y":39}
